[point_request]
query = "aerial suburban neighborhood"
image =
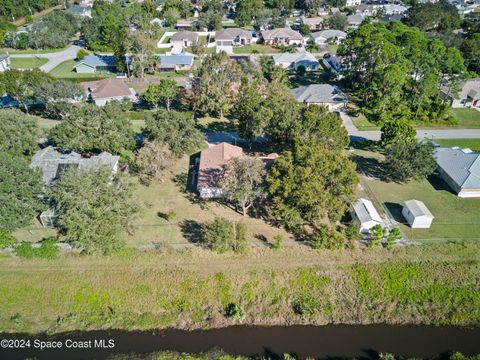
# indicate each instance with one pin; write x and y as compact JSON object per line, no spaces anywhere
{"x":194,"y":165}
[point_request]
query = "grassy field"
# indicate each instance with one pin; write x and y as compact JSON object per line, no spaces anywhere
{"x":455,"y":218}
{"x":473,"y":144}
{"x":467,"y":118}
{"x":249,"y":49}
{"x":30,"y":51}
{"x":27,"y":63}
{"x":434,"y":284}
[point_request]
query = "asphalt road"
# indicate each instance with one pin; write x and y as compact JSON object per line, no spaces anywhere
{"x":421,"y":133}
{"x":54,"y":59}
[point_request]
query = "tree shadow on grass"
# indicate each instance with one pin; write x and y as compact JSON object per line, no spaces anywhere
{"x":395,"y":211}
{"x":370,"y":167}
{"x":192,"y":231}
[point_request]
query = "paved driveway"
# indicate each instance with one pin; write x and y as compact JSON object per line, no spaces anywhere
{"x":54,"y":59}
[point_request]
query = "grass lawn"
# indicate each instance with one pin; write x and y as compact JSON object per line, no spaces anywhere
{"x":333,"y":48}
{"x":252,"y":48}
{"x":65,"y":71}
{"x":473,"y":144}
{"x":455,"y":218}
{"x":30,"y":51}
{"x":170,"y":195}
{"x":27,"y":63}
{"x":467,"y":118}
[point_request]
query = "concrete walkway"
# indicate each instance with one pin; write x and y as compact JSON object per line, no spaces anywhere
{"x":430,"y":134}
{"x":54,"y":59}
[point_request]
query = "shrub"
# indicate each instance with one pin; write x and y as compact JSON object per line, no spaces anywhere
{"x":304,"y":305}
{"x":25,"y":251}
{"x":82,"y":53}
{"x":328,"y":238}
{"x":6,"y":239}
{"x":222,"y":235}
{"x":234,"y":311}
{"x":171,"y":216}
{"x":277,"y":241}
{"x":48,"y":249}
{"x":351,"y":231}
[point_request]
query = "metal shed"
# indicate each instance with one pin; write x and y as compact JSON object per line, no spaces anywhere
{"x":417,"y":214}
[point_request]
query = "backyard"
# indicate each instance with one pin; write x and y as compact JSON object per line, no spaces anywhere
{"x":27,"y":63}
{"x":454,"y":218}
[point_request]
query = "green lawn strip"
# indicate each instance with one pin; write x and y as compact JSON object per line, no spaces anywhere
{"x":473,"y":144}
{"x":27,"y":63}
{"x":249,"y":49}
{"x":467,"y":118}
{"x":31,"y":51}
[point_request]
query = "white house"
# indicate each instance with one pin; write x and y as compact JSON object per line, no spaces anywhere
{"x":4,"y":62}
{"x":321,"y":94}
{"x":328,"y":36}
{"x":468,"y":96}
{"x":417,"y":214}
{"x":365,"y":212}
{"x":293,"y":61}
{"x":353,"y":3}
{"x":282,"y":36}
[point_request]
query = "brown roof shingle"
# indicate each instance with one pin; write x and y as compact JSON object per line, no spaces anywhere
{"x":107,"y":88}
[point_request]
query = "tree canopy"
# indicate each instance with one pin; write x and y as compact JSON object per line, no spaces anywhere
{"x":92,"y":209}
{"x":397,"y":130}
{"x":89,"y":128}
{"x":174,"y":129}
{"x":20,"y":190}
{"x":53,"y":30}
{"x":19,"y":133}
{"x":310,"y":185}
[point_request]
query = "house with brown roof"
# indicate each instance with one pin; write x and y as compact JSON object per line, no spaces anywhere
{"x":282,"y":36}
{"x":102,"y":91}
{"x":210,"y":168}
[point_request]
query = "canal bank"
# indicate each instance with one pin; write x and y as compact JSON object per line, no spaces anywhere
{"x":320,"y":342}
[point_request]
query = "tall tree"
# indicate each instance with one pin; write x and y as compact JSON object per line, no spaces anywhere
{"x":19,"y":133}
{"x":247,"y":107}
{"x":243,"y":181}
{"x":174,"y":129}
{"x":397,"y":130}
{"x":57,"y":97}
{"x":409,"y":160}
{"x":92,"y":209}
{"x":214,"y":84}
{"x":20,"y":191}
{"x":89,"y":128}
{"x":310,"y":185}
{"x":141,"y":48}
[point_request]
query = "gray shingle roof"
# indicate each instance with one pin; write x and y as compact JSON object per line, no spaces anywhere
{"x":461,"y":165}
{"x":51,"y":162}
{"x":232,"y":33}
{"x":281,"y":33}
{"x":319,"y":93}
{"x":294,"y":57}
{"x":184,"y":35}
{"x":418,"y":208}
{"x":94,"y":60}
{"x":329,"y":34}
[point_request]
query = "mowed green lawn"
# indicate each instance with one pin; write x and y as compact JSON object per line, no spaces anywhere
{"x":473,"y":144}
{"x":249,"y":49}
{"x":65,"y":71}
{"x":467,"y":118}
{"x":455,"y":218}
{"x":27,"y":63}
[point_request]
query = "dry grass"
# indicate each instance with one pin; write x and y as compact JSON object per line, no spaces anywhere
{"x":428,"y":284}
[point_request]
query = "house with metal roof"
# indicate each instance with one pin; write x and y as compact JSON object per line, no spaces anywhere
{"x":321,"y":94}
{"x":95,"y":63}
{"x":460,"y":169}
{"x":417,"y":214}
{"x":328,"y":36}
{"x":53,"y":162}
{"x":366,"y":214}
{"x":177,"y":62}
{"x":293,"y":61}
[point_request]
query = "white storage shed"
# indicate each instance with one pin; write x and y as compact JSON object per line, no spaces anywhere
{"x":417,"y":214}
{"x":365,"y":212}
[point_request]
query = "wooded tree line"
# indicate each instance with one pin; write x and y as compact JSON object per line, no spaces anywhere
{"x":22,"y":8}
{"x":398,"y":72}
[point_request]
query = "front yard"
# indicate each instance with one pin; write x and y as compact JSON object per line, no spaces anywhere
{"x":27,"y":63}
{"x":473,"y":144}
{"x":255,"y":48}
{"x":65,"y":71}
{"x":455,"y":218}
{"x":467,"y":118}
